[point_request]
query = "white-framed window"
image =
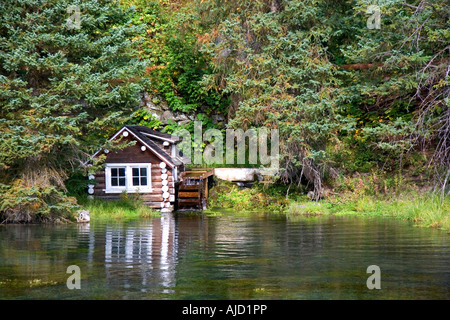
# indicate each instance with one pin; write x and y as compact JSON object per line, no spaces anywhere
{"x":118,"y":177}
{"x":129,"y":177}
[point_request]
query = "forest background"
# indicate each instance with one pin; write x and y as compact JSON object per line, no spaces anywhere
{"x":358,"y":90}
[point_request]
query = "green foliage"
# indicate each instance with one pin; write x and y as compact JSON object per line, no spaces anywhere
{"x":313,"y":70}
{"x":20,"y":203}
{"x":393,"y":79}
{"x":177,"y":66}
{"x":275,"y":60}
{"x":62,"y":91}
{"x":145,"y":118}
{"x":344,"y":98}
{"x":77,"y":184}
{"x":227,"y":195}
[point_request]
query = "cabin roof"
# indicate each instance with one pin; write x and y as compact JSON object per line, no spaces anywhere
{"x":153,"y":133}
{"x":145,"y":135}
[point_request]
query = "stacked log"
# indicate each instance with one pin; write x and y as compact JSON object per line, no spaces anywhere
{"x":154,"y":199}
{"x":165,"y":204}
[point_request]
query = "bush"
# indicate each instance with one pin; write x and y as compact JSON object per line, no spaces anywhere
{"x":22,"y":204}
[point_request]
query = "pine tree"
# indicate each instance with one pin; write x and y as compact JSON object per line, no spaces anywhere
{"x":272,"y":56}
{"x":69,"y":73}
{"x":350,"y":85}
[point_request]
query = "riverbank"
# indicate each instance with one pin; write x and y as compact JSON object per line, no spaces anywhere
{"x":421,"y":207}
{"x":127,"y":208}
{"x":424,"y":210}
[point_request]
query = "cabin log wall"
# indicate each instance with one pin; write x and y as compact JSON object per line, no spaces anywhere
{"x":152,"y":199}
{"x":132,"y":154}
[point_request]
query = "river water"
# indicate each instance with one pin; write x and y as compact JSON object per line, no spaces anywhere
{"x":194,"y":256}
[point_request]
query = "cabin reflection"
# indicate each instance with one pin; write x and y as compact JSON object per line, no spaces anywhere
{"x":142,"y":255}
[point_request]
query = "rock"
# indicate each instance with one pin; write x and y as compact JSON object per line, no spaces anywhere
{"x":155,"y":110}
{"x":145,"y":98}
{"x":154,"y":104}
{"x":181,"y":117}
{"x":156,"y":100}
{"x":153,"y":107}
{"x":167,"y":115}
{"x":164,"y":105}
{"x":216,"y":118}
{"x":157,"y":115}
{"x":83,"y":216}
{"x":184,"y":122}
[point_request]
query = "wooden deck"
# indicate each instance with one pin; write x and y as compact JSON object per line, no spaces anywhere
{"x":193,"y":189}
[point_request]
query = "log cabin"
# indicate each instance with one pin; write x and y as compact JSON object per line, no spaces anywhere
{"x":151,"y":167}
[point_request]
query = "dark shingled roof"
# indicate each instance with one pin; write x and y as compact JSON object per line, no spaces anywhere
{"x":161,"y":135}
{"x":139,"y":130}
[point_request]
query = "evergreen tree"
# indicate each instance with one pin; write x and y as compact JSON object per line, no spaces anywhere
{"x":351,"y":85}
{"x":396,"y":82}
{"x":177,"y":65}
{"x":69,"y":73}
{"x":272,"y":56}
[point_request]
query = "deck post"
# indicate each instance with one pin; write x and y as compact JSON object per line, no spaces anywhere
{"x":205,"y":185}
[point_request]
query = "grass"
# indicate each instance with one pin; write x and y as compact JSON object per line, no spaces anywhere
{"x":227,"y":195}
{"x":420,"y":207}
{"x":126,"y":208}
{"x":425,"y":210}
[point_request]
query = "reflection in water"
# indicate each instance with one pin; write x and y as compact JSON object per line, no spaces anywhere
{"x":149,"y":253}
{"x":86,"y":236}
{"x":199,"y":257}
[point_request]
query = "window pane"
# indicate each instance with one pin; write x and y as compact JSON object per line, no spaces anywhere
{"x":139,"y":176}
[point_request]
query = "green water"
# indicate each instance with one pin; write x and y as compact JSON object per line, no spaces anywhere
{"x":180,"y":256}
